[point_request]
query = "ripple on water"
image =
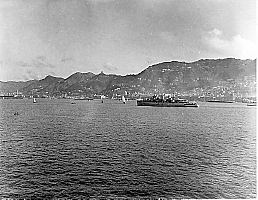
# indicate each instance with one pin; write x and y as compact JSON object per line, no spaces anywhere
{"x":56,"y":149}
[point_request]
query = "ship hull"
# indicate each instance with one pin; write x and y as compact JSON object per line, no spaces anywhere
{"x":251,"y":104}
{"x":165,"y":104}
{"x":218,"y":101}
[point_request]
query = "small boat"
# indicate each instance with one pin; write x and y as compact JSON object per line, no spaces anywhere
{"x":123,"y":99}
{"x":34,"y":100}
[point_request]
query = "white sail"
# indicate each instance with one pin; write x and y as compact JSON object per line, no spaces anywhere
{"x":123,"y":99}
{"x":34,"y":100}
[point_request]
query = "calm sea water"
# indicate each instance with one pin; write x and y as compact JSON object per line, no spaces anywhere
{"x":55,"y":149}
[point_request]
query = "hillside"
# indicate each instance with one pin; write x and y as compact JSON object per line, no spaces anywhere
{"x":12,"y":86}
{"x":166,"y":77}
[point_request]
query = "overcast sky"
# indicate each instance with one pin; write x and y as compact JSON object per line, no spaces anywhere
{"x":60,"y":37}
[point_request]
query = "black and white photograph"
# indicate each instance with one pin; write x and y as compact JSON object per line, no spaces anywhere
{"x":128,"y":99}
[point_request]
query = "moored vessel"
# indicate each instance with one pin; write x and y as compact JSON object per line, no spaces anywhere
{"x":220,"y":101}
{"x":83,"y":98}
{"x":252,"y":103}
{"x":161,"y":101}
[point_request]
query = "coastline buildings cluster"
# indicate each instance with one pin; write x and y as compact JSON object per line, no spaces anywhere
{"x":241,"y":90}
{"x":229,"y":90}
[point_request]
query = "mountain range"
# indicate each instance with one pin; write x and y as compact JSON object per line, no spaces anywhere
{"x":166,"y":77}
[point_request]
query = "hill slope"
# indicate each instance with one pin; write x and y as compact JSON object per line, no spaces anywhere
{"x":166,"y":77}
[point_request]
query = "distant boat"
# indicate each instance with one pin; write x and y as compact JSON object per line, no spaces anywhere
{"x":84,"y":98}
{"x":123,"y":99}
{"x":252,"y":103}
{"x":34,"y":100}
{"x":16,"y":113}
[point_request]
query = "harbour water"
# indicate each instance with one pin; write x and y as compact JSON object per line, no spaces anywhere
{"x":55,"y":149}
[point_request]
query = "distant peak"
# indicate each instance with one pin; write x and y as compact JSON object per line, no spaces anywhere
{"x":78,"y":73}
{"x":49,"y":76}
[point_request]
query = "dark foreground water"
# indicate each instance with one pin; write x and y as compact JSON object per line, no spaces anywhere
{"x":55,"y":149}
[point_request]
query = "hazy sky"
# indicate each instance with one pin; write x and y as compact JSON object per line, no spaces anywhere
{"x":60,"y":37}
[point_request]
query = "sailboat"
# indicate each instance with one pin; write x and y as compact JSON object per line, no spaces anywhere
{"x":123,"y":99}
{"x":34,"y":100}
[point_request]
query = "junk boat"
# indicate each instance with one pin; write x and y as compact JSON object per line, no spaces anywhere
{"x":161,"y":101}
